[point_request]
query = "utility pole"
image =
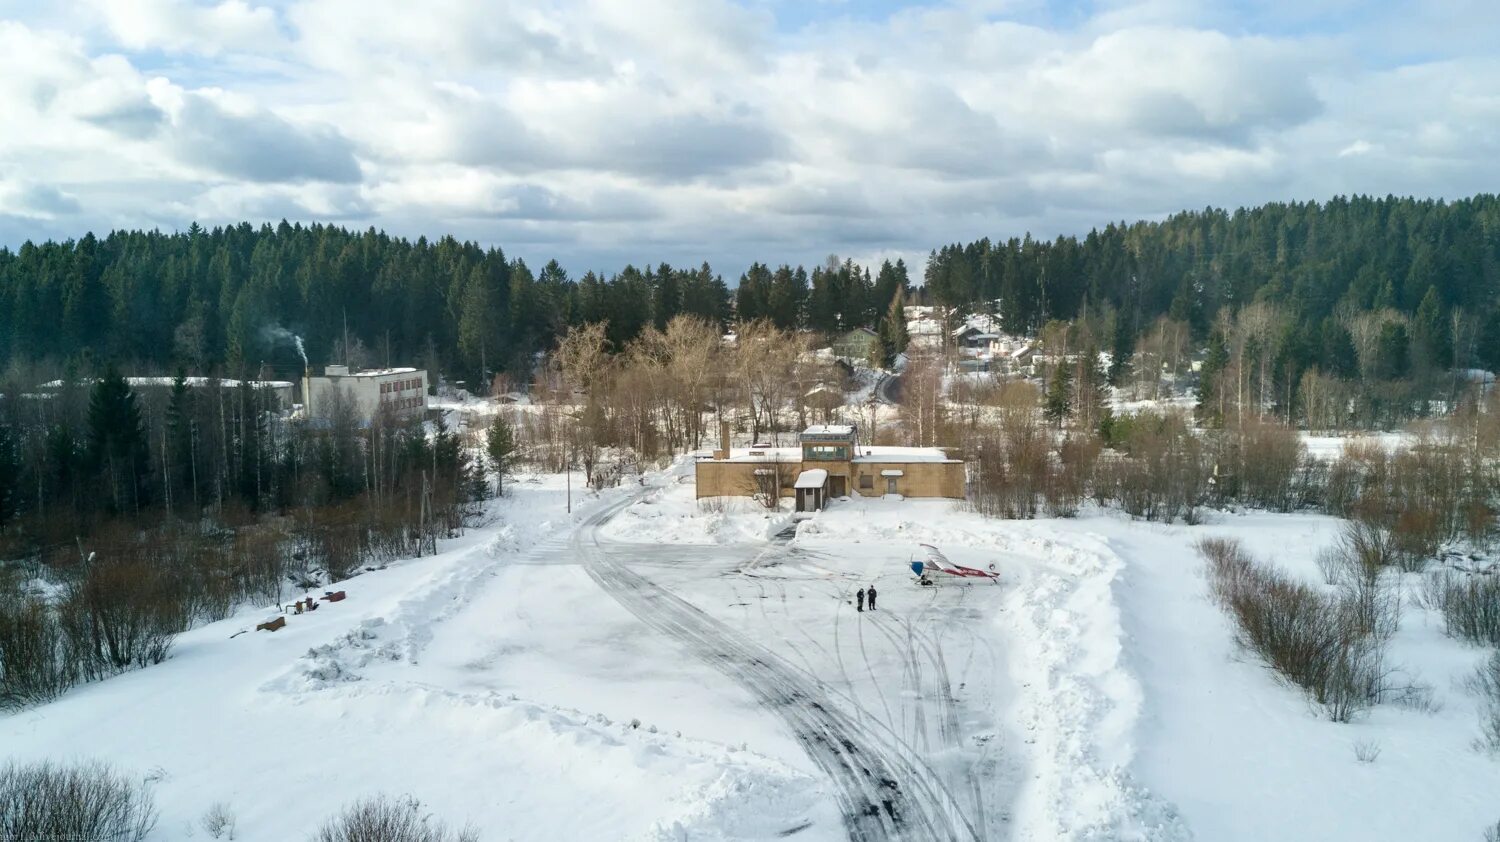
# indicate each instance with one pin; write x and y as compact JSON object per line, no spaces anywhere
{"x":568,"y":467}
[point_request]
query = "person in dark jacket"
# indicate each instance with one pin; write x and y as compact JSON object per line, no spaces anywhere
{"x":859,"y":599}
{"x":872,"y":597}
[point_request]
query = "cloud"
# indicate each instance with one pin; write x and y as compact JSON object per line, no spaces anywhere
{"x":592,"y":130}
{"x":30,"y":200}
{"x":256,"y":145}
{"x":186,"y":26}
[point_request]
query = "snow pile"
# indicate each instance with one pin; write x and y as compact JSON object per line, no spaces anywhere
{"x":673,"y":515}
{"x":1078,"y":704}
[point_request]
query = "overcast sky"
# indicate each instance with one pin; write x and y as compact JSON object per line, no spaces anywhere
{"x":608,"y":131}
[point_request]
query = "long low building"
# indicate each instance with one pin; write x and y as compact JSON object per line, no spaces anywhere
{"x":828,"y":464}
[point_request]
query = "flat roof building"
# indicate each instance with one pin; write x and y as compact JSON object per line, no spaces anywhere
{"x":829,"y":463}
{"x":401,"y":392}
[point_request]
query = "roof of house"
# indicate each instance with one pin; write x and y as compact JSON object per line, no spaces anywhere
{"x":829,"y":430}
{"x":901,"y":455}
{"x":193,"y":382}
{"x":814,"y":478}
{"x":374,"y":372}
{"x":863,"y":455}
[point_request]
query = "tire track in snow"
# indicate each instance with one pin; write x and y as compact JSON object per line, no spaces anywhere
{"x":884,"y":790}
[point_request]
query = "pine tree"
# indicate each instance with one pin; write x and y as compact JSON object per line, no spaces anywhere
{"x":500,"y":444}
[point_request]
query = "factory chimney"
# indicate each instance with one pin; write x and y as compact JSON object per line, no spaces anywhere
{"x":723,"y":451}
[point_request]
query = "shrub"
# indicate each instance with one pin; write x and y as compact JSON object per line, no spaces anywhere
{"x":1470,"y":605}
{"x":386,"y":819}
{"x":1485,"y":683}
{"x":1326,"y":645}
{"x":218,"y":821}
{"x":84,"y":802}
{"x":35,"y":664}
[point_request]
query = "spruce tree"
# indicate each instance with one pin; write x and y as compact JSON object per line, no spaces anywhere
{"x":1120,"y":352}
{"x":1210,"y":382}
{"x":1431,"y":334}
{"x":1059,"y":399}
{"x":500,"y":444}
{"x":117,"y":441}
{"x":10,"y":474}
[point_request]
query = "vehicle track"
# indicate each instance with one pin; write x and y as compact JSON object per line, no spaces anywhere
{"x":884,"y":790}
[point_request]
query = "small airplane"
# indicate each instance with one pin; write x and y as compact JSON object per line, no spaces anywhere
{"x":937,"y":568}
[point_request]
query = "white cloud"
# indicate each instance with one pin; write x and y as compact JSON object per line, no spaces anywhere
{"x":182,"y":25}
{"x":592,"y":130}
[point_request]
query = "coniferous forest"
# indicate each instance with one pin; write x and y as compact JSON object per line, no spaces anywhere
{"x":220,"y":300}
{"x":172,"y":504}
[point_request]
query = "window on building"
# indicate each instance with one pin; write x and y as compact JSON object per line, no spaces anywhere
{"x":825,"y":453}
{"x":866,"y":481}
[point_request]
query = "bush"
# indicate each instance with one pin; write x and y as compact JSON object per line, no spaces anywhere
{"x":1470,"y":605}
{"x":35,"y":663}
{"x":82,"y":802}
{"x":386,"y":819}
{"x":1485,"y":683}
{"x":218,"y":821}
{"x":1328,"y":646}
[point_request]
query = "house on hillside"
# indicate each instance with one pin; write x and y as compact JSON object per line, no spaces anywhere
{"x":829,"y":463}
{"x":857,"y":344}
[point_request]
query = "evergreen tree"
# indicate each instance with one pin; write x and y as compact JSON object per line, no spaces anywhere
{"x":1058,"y":403}
{"x":1210,"y":382}
{"x":891,"y":332}
{"x":1120,"y":352}
{"x":500,"y":444}
{"x":10,"y":474}
{"x":1091,"y":390}
{"x":1338,"y":356}
{"x":117,"y":441}
{"x":181,"y":456}
{"x":1431,"y":334}
{"x":1488,"y":344}
{"x":1392,"y":352}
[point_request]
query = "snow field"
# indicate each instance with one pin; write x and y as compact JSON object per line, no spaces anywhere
{"x":389,"y":691}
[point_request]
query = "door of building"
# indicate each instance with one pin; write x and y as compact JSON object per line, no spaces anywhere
{"x":890,"y":485}
{"x":835,"y":487}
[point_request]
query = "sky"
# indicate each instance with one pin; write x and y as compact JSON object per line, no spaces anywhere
{"x":601,"y":132}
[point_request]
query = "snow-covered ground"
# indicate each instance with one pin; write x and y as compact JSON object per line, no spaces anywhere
{"x":654,"y":668}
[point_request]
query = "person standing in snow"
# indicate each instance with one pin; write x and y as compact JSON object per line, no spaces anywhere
{"x":872,"y":597}
{"x":859,"y":599}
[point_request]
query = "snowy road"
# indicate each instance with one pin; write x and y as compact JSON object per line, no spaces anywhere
{"x":878,"y":760}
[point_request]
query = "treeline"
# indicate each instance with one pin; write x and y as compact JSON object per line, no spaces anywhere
{"x":143,"y":513}
{"x":227,"y":300}
{"x":1313,"y":259}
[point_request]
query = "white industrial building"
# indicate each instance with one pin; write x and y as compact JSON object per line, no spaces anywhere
{"x":401,"y":392}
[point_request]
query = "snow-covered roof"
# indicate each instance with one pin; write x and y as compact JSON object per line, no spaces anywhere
{"x":896,"y":455}
{"x":373,"y":372}
{"x":814,"y":478}
{"x":765,"y":454}
{"x":829,"y":430}
{"x":193,"y":382}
